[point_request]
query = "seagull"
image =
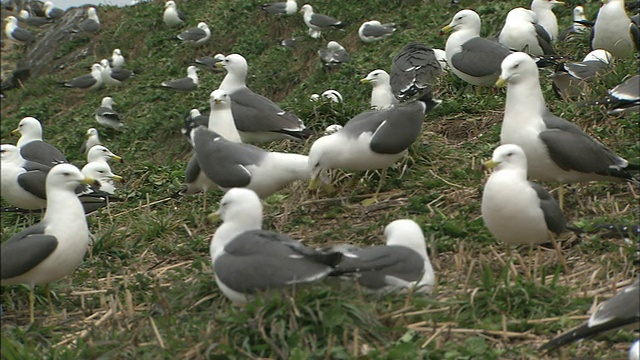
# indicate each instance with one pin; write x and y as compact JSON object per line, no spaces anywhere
{"x":113,"y":76}
{"x":332,"y":96}
{"x":101,"y":172}
{"x":369,"y":141}
{"x":93,"y":139}
{"x":92,"y":23}
{"x":20,"y":179}
{"x":196,"y":36}
{"x":381,"y":95}
{"x":576,"y":26}
{"x":373,"y":30}
{"x":333,"y":55}
{"x":257,"y":118}
{"x":521,"y":32}
{"x":248,"y":260}
{"x":209,"y":62}
{"x":229,"y":164}
{"x":100,"y":153}
{"x":413,"y":72}
{"x":288,"y":7}
{"x":556,"y":149}
{"x":92,"y":81}
{"x":172,"y":17}
{"x":621,"y":310}
{"x":192,"y":119}
{"x":34,"y":21}
{"x":614,"y":31}
{"x":571,"y":80}
{"x":318,"y":22}
{"x":106,"y":116}
{"x":33,"y":148}
{"x":116,"y":60}
{"x":401,"y":264}
{"x":221,"y":117}
{"x":184,"y":84}
{"x":53,"y":248}
{"x":473,"y":59}
{"x":546,"y":18}
{"x":15,"y":33}
{"x":625,"y":97}
{"x":52,"y":12}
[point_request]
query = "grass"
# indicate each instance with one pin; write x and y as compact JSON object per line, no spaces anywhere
{"x":146,"y":290}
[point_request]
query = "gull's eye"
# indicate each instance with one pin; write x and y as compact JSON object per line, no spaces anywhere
{"x":516,"y":65}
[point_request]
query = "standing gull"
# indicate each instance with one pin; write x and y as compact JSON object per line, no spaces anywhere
{"x":248,"y":260}
{"x":373,"y":30}
{"x":53,"y":248}
{"x":333,"y":55}
{"x":288,"y":7}
{"x":172,"y":17}
{"x":621,"y":310}
{"x":614,"y":31}
{"x":184,"y":84}
{"x":577,"y":26}
{"x":371,"y":140}
{"x":521,"y":32}
{"x":16,"y":33}
{"x":473,"y":59}
{"x":221,"y":117}
{"x":115,"y":76}
{"x":571,"y":80}
{"x":401,"y":264}
{"x":546,"y":18}
{"x":92,"y":23}
{"x":33,"y":148}
{"x":51,"y":11}
{"x":257,"y":118}
{"x":106,"y":116}
{"x":413,"y":73}
{"x":381,"y":95}
{"x":99,"y":153}
{"x":101,"y":172}
{"x":116,"y":60}
{"x":318,"y":22}
{"x":195,"y":36}
{"x":625,"y":97}
{"x":92,"y":81}
{"x":93,"y":138}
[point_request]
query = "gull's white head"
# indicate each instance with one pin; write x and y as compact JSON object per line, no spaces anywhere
{"x":377,"y":77}
{"x":240,"y":205}
{"x":516,"y":67}
{"x":508,"y":156}
{"x":407,"y":233}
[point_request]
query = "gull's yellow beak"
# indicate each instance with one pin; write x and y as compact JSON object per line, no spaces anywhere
{"x":314,"y":182}
{"x":219,"y":64}
{"x":364,"y":81}
{"x":217,"y":101}
{"x":447,"y":29}
{"x":15,"y":131}
{"x":501,"y":82}
{"x":91,"y":181}
{"x":214,"y":217}
{"x":117,"y":178}
{"x":116,"y":157}
{"x":490,"y":164}
{"x":559,"y":2}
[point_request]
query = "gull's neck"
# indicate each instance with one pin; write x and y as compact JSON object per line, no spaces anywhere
{"x":524,"y":98}
{"x":234,"y":81}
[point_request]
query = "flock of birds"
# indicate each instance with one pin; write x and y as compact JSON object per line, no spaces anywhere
{"x":248,"y":260}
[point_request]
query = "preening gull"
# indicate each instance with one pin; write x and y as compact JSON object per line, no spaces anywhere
{"x":116,"y":60}
{"x":621,"y":310}
{"x":521,"y":32}
{"x":92,"y":81}
{"x":381,"y":95}
{"x":331,"y":96}
{"x":210,"y":62}
{"x":288,"y":7}
{"x":333,"y":55}
{"x":99,"y":153}
{"x":248,"y":260}
{"x":614,"y":31}
{"x":35,"y":21}
{"x":33,"y":148}
{"x":401,"y":264}
{"x":20,"y":180}
{"x":546,"y":18}
{"x":571,"y":79}
{"x":228,"y":164}
{"x":371,"y":140}
{"x":115,"y":76}
{"x":53,"y":248}
{"x":101,"y":172}
{"x":556,"y":149}
{"x":185,"y":84}
{"x":16,"y":33}
{"x":106,"y":116}
{"x":92,"y":23}
{"x":51,"y":11}
{"x":473,"y":59}
{"x":625,"y":97}
{"x":93,"y":138}
{"x":196,"y":36}
{"x":374,"y":30}
{"x":413,"y":72}
{"x":257,"y":118}
{"x":318,"y":22}
{"x":515,"y":210}
{"x":576,"y":26}
{"x":171,"y":16}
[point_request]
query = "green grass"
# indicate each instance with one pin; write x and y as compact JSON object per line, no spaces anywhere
{"x":146,"y":290}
